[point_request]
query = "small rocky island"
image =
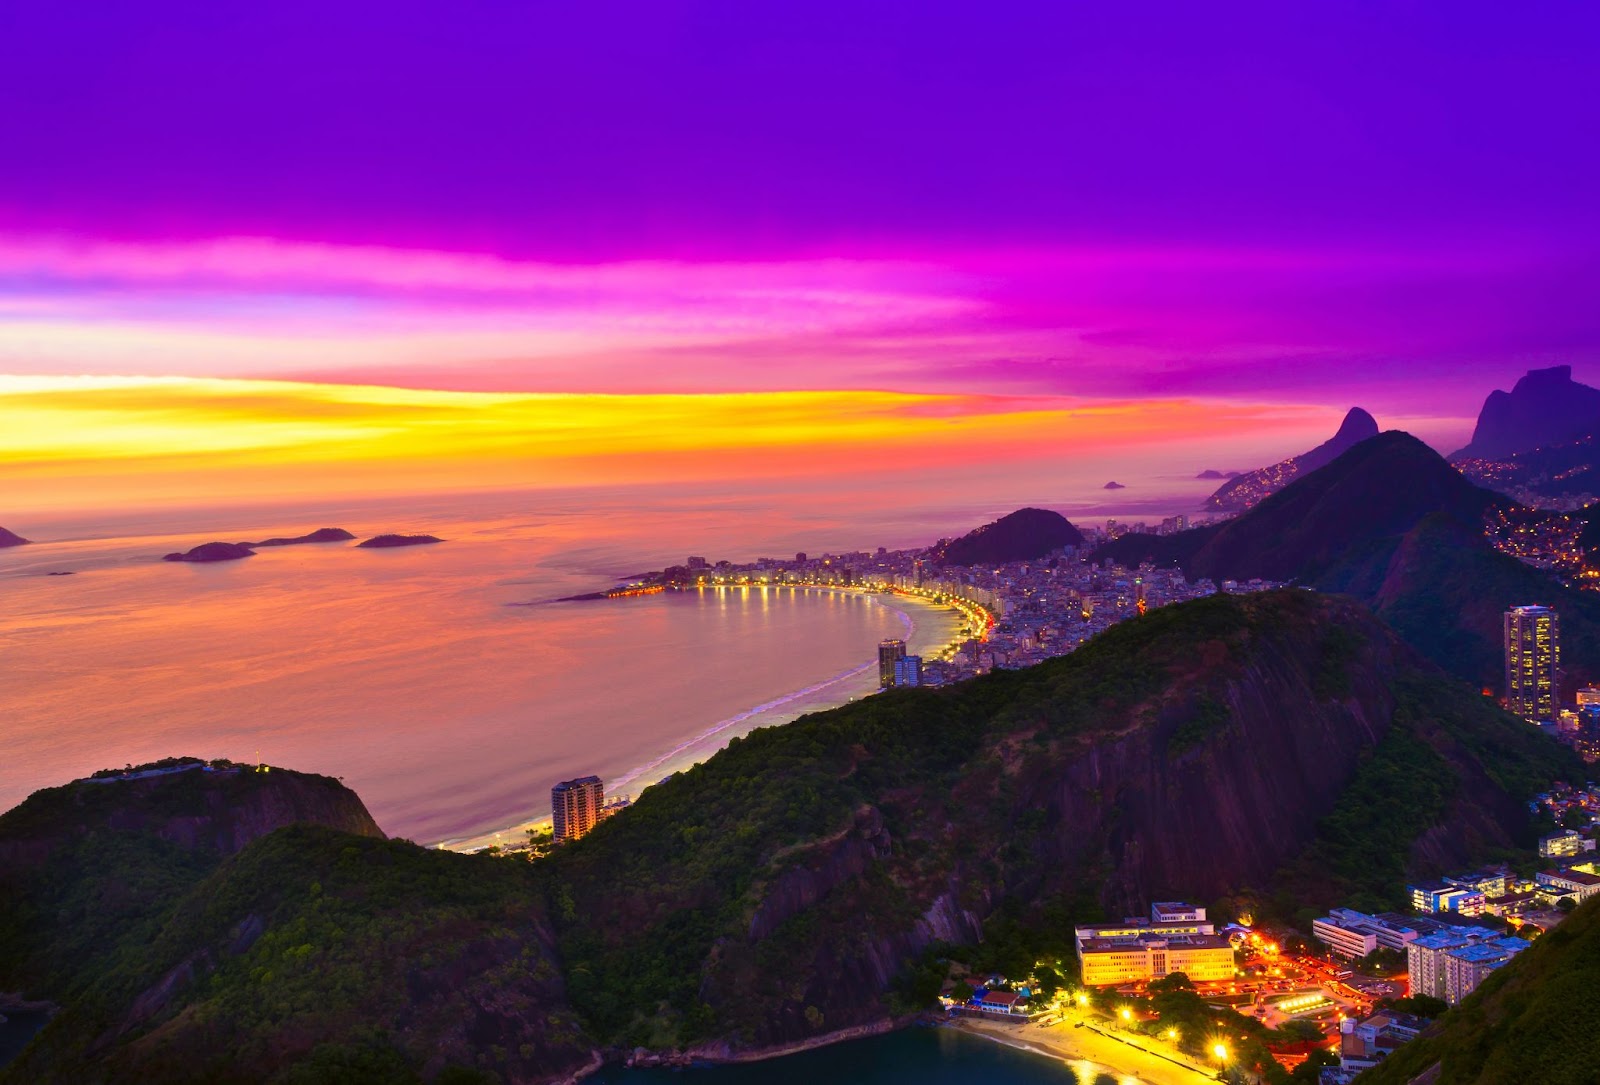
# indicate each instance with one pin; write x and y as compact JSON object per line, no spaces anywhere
{"x":381,"y":542}
{"x":1114,"y":486}
{"x":213,"y":551}
{"x":321,"y":535}
{"x":10,"y":538}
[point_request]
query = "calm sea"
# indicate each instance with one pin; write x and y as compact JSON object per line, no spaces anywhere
{"x":443,"y":683}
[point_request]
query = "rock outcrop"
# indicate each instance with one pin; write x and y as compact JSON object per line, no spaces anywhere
{"x":1546,"y":407}
{"x":321,"y":535}
{"x":10,"y":538}
{"x":383,"y":542}
{"x":213,"y":551}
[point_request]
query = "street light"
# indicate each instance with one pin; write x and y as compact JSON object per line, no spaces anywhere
{"x":1220,"y":1051}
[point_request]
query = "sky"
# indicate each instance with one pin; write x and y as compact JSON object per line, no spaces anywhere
{"x":291,"y":244}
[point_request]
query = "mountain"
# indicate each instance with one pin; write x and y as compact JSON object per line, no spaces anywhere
{"x":8,"y":538}
{"x":1247,"y":489}
{"x":1535,"y":1019}
{"x":1545,"y":407}
{"x":1393,"y":524}
{"x":1550,"y":472}
{"x":1019,"y":536}
{"x":803,"y":881}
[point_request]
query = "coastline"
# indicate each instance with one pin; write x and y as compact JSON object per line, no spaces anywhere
{"x":1090,"y":1051}
{"x":688,"y":753}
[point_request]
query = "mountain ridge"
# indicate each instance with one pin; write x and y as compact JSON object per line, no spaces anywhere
{"x":1246,"y":489}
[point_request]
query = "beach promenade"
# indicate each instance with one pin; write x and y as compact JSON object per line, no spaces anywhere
{"x":1090,"y":1052}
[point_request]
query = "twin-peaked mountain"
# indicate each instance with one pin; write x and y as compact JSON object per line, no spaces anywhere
{"x":1393,"y":524}
{"x":1019,"y":536}
{"x":803,"y":881}
{"x":1248,"y":488}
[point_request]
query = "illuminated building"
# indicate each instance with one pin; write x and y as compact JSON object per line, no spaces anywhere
{"x":1352,"y":935}
{"x":908,"y":671}
{"x":1180,"y":939}
{"x":889,"y":653}
{"x":576,"y":806}
{"x":1450,"y":963}
{"x":1533,"y":663}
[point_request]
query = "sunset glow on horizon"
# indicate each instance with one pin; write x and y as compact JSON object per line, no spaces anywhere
{"x":118,"y":441}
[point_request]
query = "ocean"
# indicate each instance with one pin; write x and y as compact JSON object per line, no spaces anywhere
{"x":445,"y":683}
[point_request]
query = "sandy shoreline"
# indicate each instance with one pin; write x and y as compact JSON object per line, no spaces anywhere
{"x":1090,"y":1052}
{"x":683,"y":755}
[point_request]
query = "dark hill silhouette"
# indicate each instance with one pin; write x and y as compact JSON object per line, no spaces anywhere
{"x":213,"y":551}
{"x":1393,"y":524}
{"x":321,"y":535}
{"x":1545,"y":407}
{"x":1248,"y":488}
{"x":382,"y":542}
{"x":1019,"y":536}
{"x":8,"y":538}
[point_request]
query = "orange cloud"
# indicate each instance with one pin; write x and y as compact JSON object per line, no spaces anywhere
{"x":124,"y":440}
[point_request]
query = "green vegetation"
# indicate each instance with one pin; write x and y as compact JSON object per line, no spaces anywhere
{"x":811,"y":877}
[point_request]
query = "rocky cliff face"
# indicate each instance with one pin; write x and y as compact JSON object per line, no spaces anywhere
{"x":1545,"y":407}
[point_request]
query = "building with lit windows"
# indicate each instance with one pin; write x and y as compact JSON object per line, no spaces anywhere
{"x":1431,"y":898}
{"x":908,"y":671}
{"x":890,"y":652}
{"x":1177,"y":938}
{"x":1151,"y":955}
{"x":1352,"y":935}
{"x":1448,"y":964}
{"x":576,"y":806}
{"x":1533,"y":663}
{"x":1565,"y":843}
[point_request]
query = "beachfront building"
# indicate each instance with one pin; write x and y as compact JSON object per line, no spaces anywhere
{"x":1176,"y":938}
{"x":1352,"y":935}
{"x":576,"y":806}
{"x":1151,"y":955}
{"x":890,"y":652}
{"x":908,"y":671}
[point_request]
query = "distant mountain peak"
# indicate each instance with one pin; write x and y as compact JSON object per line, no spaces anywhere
{"x":8,"y":538}
{"x":1358,"y":425}
{"x":1246,"y":490}
{"x":1545,"y":407}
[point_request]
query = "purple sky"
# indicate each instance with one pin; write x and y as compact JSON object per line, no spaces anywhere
{"x":1387,"y":204}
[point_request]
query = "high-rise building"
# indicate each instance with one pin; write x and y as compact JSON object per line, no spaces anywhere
{"x":576,"y":805}
{"x":1533,"y":663}
{"x":908,"y":671}
{"x":889,"y":653}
